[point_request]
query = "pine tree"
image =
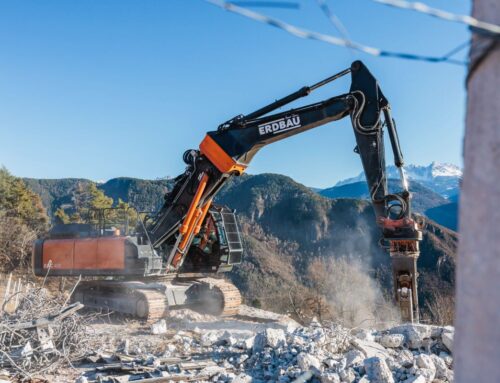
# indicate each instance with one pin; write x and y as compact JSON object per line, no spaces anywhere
{"x":87,"y":199}
{"x":61,"y":216}
{"x":17,"y":201}
{"x":22,"y":219}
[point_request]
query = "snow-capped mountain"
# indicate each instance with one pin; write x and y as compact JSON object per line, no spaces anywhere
{"x":442,"y":178}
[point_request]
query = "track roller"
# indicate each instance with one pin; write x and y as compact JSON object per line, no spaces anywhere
{"x":215,"y":296}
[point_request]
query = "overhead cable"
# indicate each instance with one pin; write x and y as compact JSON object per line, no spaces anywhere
{"x":477,"y":25}
{"x":329,"y":39}
{"x":339,"y":26}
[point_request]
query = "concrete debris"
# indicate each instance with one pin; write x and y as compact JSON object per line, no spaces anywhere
{"x":447,"y":337}
{"x":241,"y":351}
{"x":348,"y":375}
{"x":425,"y":361}
{"x":330,"y":377}
{"x":415,"y":379}
{"x":415,"y":334}
{"x":377,"y":370}
{"x":307,"y":361}
{"x":270,"y":337}
{"x":159,"y":327}
{"x":201,"y":348}
{"x":354,"y":358}
{"x":370,"y":349}
{"x":363,"y":334}
{"x":392,"y":340}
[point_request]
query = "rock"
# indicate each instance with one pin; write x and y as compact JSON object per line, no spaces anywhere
{"x":425,"y":361}
{"x":447,"y":359}
{"x":212,"y":371}
{"x":354,"y":358}
{"x":81,"y":379}
{"x":126,"y":346}
{"x":392,"y":340}
{"x":440,"y":366}
{"x":315,"y":323}
{"x":27,"y":350}
{"x":370,"y":349}
{"x":227,"y":338}
{"x":447,"y":338}
{"x":342,"y":364}
{"x":364,"y":334}
{"x":427,"y":373}
{"x":330,"y":377}
{"x":377,"y":370}
{"x":246,"y":344}
{"x":159,"y":327}
{"x":275,"y":337}
{"x":331,"y":363}
{"x":405,"y":358}
{"x":436,"y":331}
{"x":208,"y":339}
{"x":270,"y":337}
{"x":307,"y":361}
{"x":414,"y":334}
{"x":227,"y":377}
{"x":347,"y":376}
{"x":393,"y":364}
{"x":415,"y":379}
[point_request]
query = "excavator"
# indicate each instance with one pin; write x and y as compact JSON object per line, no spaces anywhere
{"x":177,"y":255}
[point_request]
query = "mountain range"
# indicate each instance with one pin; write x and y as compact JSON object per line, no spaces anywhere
{"x":441,"y":178}
{"x":435,"y":190}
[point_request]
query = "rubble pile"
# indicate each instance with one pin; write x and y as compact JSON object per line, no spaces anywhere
{"x":41,"y":334}
{"x":233,"y":350}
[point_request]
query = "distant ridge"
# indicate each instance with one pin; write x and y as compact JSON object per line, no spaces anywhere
{"x":442,"y":178}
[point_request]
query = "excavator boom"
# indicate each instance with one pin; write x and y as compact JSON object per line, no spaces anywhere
{"x":229,"y":150}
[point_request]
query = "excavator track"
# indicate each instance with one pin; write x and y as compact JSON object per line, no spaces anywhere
{"x":229,"y":293}
{"x":146,"y":304}
{"x":151,"y":305}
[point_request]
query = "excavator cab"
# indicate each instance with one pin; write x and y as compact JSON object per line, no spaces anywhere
{"x":218,"y":245}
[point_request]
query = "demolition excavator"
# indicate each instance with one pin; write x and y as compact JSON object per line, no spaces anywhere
{"x":175,"y":255}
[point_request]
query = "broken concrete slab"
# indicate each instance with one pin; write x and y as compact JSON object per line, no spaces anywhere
{"x":414,"y":334}
{"x":377,"y":370}
{"x":159,"y":327}
{"x":447,"y":338}
{"x":370,"y":349}
{"x":392,"y":340}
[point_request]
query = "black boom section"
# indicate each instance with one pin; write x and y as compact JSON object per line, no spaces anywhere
{"x":368,"y":131}
{"x":239,"y":139}
{"x":242,"y":142}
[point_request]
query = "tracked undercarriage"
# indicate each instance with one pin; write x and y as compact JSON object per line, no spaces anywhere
{"x":151,"y":301}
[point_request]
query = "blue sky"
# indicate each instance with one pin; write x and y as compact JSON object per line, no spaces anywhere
{"x":100,"y":89}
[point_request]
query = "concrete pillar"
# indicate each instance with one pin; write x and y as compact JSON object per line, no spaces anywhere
{"x":477,"y":339}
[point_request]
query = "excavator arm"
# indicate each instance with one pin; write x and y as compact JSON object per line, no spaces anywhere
{"x":228,"y":151}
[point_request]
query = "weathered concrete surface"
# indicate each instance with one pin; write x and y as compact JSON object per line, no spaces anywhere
{"x":477,"y":338}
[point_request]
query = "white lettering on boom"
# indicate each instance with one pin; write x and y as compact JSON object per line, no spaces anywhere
{"x":278,"y":126}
